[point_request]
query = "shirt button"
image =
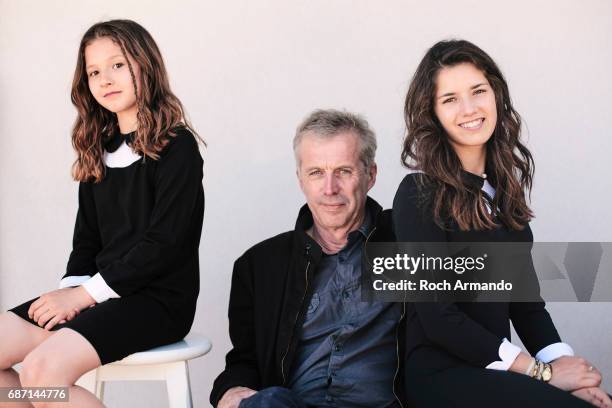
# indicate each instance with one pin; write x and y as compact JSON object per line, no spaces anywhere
{"x":346,"y":295}
{"x":337,"y":347}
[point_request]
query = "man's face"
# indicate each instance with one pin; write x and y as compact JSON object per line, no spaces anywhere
{"x":334,"y":179}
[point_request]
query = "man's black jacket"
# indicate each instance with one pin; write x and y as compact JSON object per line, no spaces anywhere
{"x":270,"y":292}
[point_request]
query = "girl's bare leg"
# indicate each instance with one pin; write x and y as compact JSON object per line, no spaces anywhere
{"x":60,"y":361}
{"x":18,"y":339}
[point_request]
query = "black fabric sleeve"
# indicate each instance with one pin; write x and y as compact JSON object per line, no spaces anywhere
{"x":178,"y":185}
{"x":531,"y":320}
{"x":241,"y":361}
{"x":443,"y":323}
{"x":86,"y":241}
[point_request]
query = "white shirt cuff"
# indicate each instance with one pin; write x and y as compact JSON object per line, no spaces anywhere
{"x":554,"y":351}
{"x":508,"y":352}
{"x":98,"y":289}
{"x":73,"y":281}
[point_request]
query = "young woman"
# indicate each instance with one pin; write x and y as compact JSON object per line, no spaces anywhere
{"x":132,"y":278}
{"x":472,"y":172}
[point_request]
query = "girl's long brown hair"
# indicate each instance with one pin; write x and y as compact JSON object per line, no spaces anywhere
{"x":159,"y":111}
{"x":509,"y":163}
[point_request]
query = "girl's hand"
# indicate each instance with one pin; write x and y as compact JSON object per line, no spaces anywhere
{"x":71,"y":316}
{"x":574,"y":373}
{"x":595,"y":396}
{"x":59,"y":305}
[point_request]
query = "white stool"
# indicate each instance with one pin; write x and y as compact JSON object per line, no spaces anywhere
{"x":167,"y":363}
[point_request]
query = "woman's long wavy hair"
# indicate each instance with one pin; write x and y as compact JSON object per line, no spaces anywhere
{"x":159,"y":111}
{"x":509,"y":164}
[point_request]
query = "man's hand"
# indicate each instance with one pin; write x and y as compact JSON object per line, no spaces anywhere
{"x":233,"y":396}
{"x":574,"y":373}
{"x":59,"y":305}
{"x":595,"y":396}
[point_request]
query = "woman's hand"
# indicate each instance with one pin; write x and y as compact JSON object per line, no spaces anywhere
{"x":574,"y":373}
{"x":595,"y":396}
{"x":59,"y":305}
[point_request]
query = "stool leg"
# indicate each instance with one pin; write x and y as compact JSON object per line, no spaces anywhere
{"x":177,"y":383}
{"x":89,"y":381}
{"x":100,"y":390}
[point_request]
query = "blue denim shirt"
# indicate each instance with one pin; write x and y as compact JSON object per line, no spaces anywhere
{"x":347,"y":354}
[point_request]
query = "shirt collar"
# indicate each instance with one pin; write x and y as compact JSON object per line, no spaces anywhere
{"x":117,"y":139}
{"x":472,"y":179}
{"x":304,"y":222}
{"x":367,"y":224}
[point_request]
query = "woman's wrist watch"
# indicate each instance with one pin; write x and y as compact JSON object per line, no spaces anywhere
{"x":541,"y":371}
{"x":546,"y":372}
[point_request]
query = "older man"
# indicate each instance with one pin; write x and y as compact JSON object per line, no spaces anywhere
{"x":302,"y":335}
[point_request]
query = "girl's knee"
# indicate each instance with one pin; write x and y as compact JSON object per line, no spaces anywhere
{"x":59,"y":361}
{"x":38,"y":370}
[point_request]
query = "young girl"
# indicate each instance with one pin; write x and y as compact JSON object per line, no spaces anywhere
{"x":472,"y":173}
{"x":132,"y":278}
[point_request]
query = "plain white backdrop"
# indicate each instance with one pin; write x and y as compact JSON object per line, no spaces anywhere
{"x":248,"y":72}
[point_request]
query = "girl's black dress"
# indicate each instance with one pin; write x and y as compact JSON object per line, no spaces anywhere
{"x":448,"y":345}
{"x":135,"y":248}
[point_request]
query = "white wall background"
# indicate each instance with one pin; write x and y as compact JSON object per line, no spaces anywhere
{"x":248,"y":72}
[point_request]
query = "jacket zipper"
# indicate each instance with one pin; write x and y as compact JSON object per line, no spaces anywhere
{"x":397,"y":353}
{"x":298,"y":315}
{"x":296,"y":319}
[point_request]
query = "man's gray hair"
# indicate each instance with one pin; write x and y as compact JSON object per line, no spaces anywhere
{"x":327,"y":123}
